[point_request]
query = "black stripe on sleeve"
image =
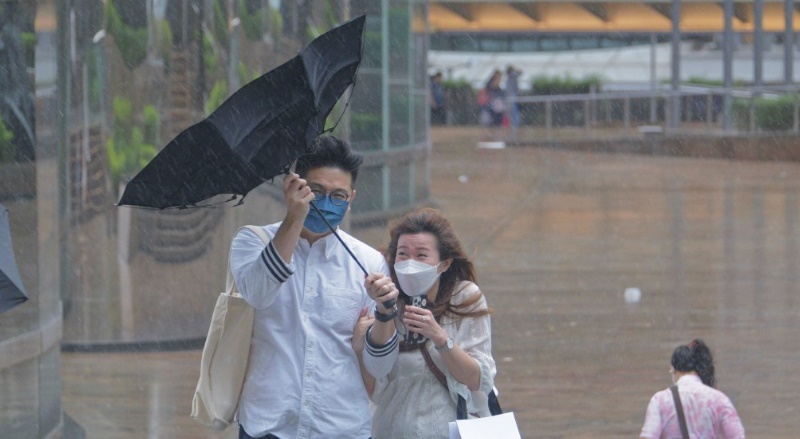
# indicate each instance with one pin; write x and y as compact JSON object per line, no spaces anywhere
{"x":277,"y":262}
{"x":381,"y":351}
{"x":274,"y":264}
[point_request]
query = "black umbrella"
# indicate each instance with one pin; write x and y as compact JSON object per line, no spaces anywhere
{"x":258,"y":132}
{"x":12,"y":292}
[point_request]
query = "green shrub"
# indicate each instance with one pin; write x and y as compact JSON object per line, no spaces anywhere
{"x":210,"y":57}
{"x":7,"y":146}
{"x":221,"y":24}
{"x":330,"y":20}
{"x":29,"y":43}
{"x":165,"y":41}
{"x":366,"y":128}
{"x":217,"y":96}
{"x":704,"y":82}
{"x":556,"y":85}
{"x":275,"y":24}
{"x":150,"y":121}
{"x":252,"y":21}
{"x":131,"y":42}
{"x":128,"y":151}
{"x":775,"y":114}
{"x":245,"y":74}
{"x":770,"y":114}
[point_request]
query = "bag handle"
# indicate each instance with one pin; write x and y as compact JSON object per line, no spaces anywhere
{"x":230,"y":285}
{"x":679,"y":409}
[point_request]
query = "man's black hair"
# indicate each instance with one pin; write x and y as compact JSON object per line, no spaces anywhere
{"x":330,"y":152}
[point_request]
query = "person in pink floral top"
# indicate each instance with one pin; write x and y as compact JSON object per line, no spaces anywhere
{"x":709,"y":413}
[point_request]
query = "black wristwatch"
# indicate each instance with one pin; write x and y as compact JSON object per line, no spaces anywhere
{"x":381,"y":317}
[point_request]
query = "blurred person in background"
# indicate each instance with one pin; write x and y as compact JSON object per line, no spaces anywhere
{"x":438,"y":110}
{"x":512,"y":91}
{"x":708,"y":413}
{"x":497,"y":98}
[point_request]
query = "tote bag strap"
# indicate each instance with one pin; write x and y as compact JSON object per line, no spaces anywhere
{"x":461,"y":406}
{"x":679,"y":409}
{"x":230,"y":285}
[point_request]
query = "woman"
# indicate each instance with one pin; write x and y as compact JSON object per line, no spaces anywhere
{"x":497,"y":99}
{"x":443,"y":313}
{"x":708,"y":412}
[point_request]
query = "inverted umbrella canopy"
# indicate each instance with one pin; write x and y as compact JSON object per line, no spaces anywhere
{"x":258,"y":132}
{"x":12,"y":292}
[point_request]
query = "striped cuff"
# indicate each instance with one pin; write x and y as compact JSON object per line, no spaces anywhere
{"x":381,"y":351}
{"x":280,"y":271}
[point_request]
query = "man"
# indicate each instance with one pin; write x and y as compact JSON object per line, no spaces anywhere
{"x":303,"y":379}
{"x":512,"y":91}
{"x":438,"y":112}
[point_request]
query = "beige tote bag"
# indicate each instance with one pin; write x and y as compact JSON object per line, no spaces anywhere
{"x":225,"y":354}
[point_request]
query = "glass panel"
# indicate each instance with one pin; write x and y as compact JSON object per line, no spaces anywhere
{"x":421,"y":178}
{"x":398,"y":33}
{"x":521,"y":44}
{"x":366,"y":94}
{"x":420,"y":128}
{"x":611,"y":42}
{"x":373,"y":51}
{"x":370,"y":190}
{"x":494,"y":44}
{"x":440,"y":42}
{"x":464,"y":43}
{"x":399,"y":184}
{"x":366,"y":132}
{"x":583,"y":42}
{"x":399,"y":112}
{"x":553,"y":43}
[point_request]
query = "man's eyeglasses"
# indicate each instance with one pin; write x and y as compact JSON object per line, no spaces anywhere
{"x":338,"y":197}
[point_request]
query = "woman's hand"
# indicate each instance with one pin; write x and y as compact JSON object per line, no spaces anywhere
{"x":360,"y":331}
{"x":421,"y":321}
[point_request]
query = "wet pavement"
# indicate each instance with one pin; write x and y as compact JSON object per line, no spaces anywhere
{"x":557,"y":236}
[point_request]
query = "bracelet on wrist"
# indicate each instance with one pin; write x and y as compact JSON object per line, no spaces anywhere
{"x":381,"y":317}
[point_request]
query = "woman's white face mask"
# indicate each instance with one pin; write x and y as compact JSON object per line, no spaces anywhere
{"x":415,"y":277}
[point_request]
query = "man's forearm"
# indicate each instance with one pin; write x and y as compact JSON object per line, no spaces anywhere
{"x":286,"y":238}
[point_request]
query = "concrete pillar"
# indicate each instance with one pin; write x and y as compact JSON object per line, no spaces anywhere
{"x":675,"y":120}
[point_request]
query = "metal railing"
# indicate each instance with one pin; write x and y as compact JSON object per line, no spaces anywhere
{"x":711,"y":105}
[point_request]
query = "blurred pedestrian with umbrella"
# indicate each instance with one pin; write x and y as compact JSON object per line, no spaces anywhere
{"x":12,"y":292}
{"x":692,"y":407}
{"x":303,"y":379}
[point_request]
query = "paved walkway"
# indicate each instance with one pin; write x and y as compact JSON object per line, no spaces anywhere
{"x":557,"y":236}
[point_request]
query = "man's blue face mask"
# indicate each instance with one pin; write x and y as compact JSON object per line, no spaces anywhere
{"x":333,"y":213}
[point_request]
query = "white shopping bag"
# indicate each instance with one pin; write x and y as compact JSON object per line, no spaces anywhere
{"x":495,"y":427}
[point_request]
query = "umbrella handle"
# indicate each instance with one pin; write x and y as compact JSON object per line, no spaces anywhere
{"x":388,"y":303}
